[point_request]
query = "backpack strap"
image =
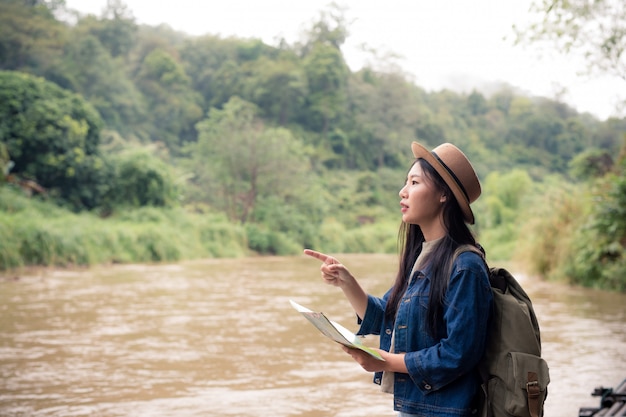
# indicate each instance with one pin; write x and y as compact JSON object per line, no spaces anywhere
{"x":469,"y":248}
{"x":497,"y":279}
{"x":532,"y":389}
{"x":496,"y":275}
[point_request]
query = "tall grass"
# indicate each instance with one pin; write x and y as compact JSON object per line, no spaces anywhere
{"x":34,"y":233}
{"x":545,"y":236}
{"x":546,"y":239}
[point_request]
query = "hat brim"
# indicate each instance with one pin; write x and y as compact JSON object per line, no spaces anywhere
{"x":420,"y":151}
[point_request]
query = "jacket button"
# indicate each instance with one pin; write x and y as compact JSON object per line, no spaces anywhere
{"x":427,"y":386}
{"x":388,"y":331}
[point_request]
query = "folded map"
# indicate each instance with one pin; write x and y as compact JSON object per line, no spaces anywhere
{"x":334,"y":330}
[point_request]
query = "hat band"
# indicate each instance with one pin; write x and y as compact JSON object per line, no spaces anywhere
{"x":456,"y":179}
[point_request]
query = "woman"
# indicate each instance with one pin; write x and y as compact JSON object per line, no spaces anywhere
{"x":433,"y":321}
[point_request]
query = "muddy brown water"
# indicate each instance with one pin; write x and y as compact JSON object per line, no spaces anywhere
{"x":219,"y":338}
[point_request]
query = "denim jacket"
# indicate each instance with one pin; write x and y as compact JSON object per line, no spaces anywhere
{"x":441,"y":379}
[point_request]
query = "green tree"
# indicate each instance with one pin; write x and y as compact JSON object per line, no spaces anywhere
{"x":477,"y":103}
{"x":329,"y":28}
{"x":279,"y":88}
{"x":173,"y":106}
{"x":227,"y":81}
{"x":30,"y":37}
{"x":386,"y":110}
{"x":592,"y":163}
{"x":327,"y":78}
{"x":609,"y":135}
{"x":52,"y":136}
{"x":238,"y":160}
{"x":502,"y":100}
{"x":599,"y":250}
{"x":88,"y":68}
{"x":208,"y":60}
{"x":116,"y":29}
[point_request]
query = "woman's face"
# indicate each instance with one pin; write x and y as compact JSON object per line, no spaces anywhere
{"x":421,"y":203}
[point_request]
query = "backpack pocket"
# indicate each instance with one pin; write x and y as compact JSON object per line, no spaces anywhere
{"x":526,"y":386}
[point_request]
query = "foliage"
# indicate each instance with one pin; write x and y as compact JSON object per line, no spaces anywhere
{"x":577,"y":233}
{"x":279,"y":88}
{"x":387,"y":112}
{"x":591,"y":163}
{"x":595,"y":28}
{"x":202,"y":146}
{"x":89,"y":69}
{"x":175,"y":107}
{"x":236,"y":159}
{"x":500,"y":209}
{"x":31,"y":38}
{"x":329,"y":28}
{"x":52,"y":136}
{"x":34,"y":233}
{"x":155,"y":84}
{"x":5,"y":163}
{"x":264,"y":240}
{"x":116,"y":30}
{"x":327,"y":77}
{"x":554,"y":213}
{"x":139,"y":178}
{"x":603,"y":264}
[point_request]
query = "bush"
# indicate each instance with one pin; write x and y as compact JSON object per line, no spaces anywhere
{"x":269,"y":242}
{"x":141,"y":179}
{"x":603,"y":263}
{"x":334,"y":237}
{"x":220,"y":238}
{"x":372,"y":238}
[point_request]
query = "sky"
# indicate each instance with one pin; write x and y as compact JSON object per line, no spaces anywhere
{"x":455,"y":44}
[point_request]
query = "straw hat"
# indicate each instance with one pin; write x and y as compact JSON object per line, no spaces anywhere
{"x":456,"y":170}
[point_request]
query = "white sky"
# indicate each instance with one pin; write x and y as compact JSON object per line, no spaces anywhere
{"x":457,"y":44}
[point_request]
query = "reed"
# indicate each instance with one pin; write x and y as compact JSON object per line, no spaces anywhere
{"x":545,"y":245}
{"x":35,"y":233}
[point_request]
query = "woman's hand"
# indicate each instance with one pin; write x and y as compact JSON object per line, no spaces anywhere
{"x":392,"y":362}
{"x":333,"y":271}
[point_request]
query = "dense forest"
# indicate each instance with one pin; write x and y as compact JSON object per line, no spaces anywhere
{"x":122,"y":142}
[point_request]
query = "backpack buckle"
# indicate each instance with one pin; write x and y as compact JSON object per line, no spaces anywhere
{"x":533,"y":392}
{"x":532,"y":388}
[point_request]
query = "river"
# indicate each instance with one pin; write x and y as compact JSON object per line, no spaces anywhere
{"x":219,"y":338}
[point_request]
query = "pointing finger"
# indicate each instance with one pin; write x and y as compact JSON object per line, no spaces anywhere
{"x":320,"y":256}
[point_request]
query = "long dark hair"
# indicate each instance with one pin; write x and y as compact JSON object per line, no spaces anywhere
{"x":410,"y":239}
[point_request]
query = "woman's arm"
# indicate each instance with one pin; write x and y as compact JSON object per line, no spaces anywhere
{"x":335,"y":273}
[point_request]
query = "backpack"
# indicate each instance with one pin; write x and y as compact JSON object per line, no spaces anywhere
{"x":514,"y":377}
